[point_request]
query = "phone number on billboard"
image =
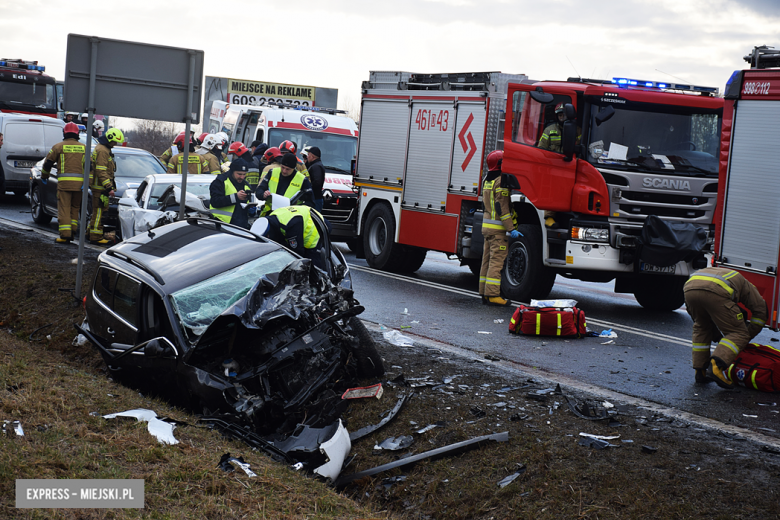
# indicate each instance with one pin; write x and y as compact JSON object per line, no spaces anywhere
{"x":238,"y":99}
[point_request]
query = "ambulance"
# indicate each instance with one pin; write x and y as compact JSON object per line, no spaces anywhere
{"x":330,"y":130}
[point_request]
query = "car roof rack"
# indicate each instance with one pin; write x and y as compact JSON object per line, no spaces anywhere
{"x":138,"y":263}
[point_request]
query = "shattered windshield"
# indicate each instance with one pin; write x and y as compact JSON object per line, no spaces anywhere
{"x":199,"y":305}
{"x":655,"y":138}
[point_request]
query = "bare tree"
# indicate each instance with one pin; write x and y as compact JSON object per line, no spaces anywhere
{"x":152,"y":136}
{"x":352,"y":105}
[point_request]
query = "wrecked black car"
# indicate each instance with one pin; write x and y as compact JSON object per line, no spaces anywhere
{"x":231,"y":324}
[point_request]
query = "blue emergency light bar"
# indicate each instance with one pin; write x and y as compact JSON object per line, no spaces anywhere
{"x":628,"y":82}
{"x":18,"y":65}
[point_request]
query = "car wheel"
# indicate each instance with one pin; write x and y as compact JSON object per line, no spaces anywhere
{"x":379,"y":240}
{"x":659,"y":293}
{"x":36,"y":207}
{"x":525,"y":276}
{"x":368,"y":359}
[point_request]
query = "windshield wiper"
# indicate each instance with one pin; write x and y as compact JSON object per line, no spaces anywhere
{"x":338,"y":169}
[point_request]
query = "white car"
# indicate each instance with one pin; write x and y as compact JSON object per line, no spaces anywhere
{"x":156,"y":202}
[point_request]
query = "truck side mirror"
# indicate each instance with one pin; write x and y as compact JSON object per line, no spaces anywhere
{"x":541,"y":97}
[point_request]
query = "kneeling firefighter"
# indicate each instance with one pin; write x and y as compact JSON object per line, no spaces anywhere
{"x":499,"y":221}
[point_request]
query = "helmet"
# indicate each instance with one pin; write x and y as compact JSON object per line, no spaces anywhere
{"x":74,"y":115}
{"x":209,"y":141}
{"x":84,"y":116}
{"x":272,"y":154}
{"x":115,"y":135}
{"x":202,"y":136}
{"x":71,"y":128}
{"x":559,"y":108}
{"x":494,"y":160}
{"x":305,"y":152}
{"x":179,"y":141}
{"x":287,"y":147}
{"x":238,"y":148}
{"x":222,"y":138}
{"x":98,"y":125}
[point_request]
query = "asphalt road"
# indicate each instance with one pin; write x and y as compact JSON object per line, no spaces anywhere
{"x":649,"y":359}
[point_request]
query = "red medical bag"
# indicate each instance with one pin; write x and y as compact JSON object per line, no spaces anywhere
{"x":549,"y":321}
{"x":758,"y":367}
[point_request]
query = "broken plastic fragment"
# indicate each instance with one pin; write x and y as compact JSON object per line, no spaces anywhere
{"x":499,"y":320}
{"x":599,"y":444}
{"x":18,"y":428}
{"x":483,"y":332}
{"x":225,"y":465}
{"x":364,"y":391}
{"x":406,"y":311}
{"x":163,"y":431}
{"x":395,"y":443}
{"x":396,"y":338}
{"x":511,"y":478}
{"x":649,"y":449}
{"x":431,"y":427}
{"x":336,"y":450}
{"x":607,"y":334}
{"x":602,"y":437}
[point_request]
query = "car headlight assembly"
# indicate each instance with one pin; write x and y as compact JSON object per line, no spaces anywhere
{"x":590,"y":234}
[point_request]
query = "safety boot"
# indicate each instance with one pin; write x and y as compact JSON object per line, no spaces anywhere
{"x":701,"y":376}
{"x":497,"y":300}
{"x":484,"y":299}
{"x":716,"y":372}
{"x":101,"y":242}
{"x":61,"y":240}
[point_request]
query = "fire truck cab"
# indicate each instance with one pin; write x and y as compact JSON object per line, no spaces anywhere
{"x":592,"y":159}
{"x":747,"y":220}
{"x":329,"y":129}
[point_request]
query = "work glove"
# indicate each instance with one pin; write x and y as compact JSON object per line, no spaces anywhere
{"x":515,"y":234}
{"x":252,"y":211}
{"x":45,"y":181}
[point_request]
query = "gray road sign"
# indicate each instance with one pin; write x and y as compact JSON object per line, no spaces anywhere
{"x":133,"y":79}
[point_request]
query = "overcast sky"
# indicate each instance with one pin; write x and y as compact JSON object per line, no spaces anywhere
{"x":334,"y":43}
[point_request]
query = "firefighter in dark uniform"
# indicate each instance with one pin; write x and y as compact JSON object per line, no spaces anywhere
{"x":499,"y":220}
{"x":294,"y":226}
{"x":101,"y":182}
{"x":285,"y":181}
{"x":716,"y":298}
{"x":68,"y":156}
{"x":229,"y":195}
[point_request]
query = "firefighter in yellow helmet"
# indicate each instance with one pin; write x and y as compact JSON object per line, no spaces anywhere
{"x":101,"y":182}
{"x":68,"y":156}
{"x":499,"y":220}
{"x":716,"y":298}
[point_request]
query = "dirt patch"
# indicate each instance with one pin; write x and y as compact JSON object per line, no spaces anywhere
{"x":685,"y":472}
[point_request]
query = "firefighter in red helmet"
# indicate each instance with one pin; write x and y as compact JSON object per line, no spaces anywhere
{"x":289,"y":147}
{"x":499,"y":220}
{"x":272,"y":156}
{"x":68,"y":156}
{"x":176,"y":147}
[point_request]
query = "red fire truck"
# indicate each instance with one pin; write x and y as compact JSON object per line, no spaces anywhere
{"x":25,"y":89}
{"x":747,"y":219}
{"x":627,"y":149}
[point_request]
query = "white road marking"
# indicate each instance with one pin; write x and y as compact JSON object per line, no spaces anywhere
{"x":463,"y":292}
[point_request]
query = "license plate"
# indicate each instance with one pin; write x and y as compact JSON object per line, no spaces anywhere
{"x":24,"y":164}
{"x":650,"y":268}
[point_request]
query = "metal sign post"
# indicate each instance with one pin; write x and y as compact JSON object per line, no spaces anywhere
{"x":129,"y":79}
{"x":187,"y":120}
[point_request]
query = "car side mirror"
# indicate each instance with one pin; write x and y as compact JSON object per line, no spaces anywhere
{"x":159,"y":347}
{"x":604,"y":114}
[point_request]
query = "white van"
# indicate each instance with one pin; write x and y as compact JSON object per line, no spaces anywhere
{"x":333,"y":132}
{"x":27,"y":140}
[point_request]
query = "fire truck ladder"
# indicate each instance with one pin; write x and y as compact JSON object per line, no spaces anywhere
{"x":763,"y":57}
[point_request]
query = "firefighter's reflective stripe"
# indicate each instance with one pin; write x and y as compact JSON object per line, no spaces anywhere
{"x":701,"y":347}
{"x":491,"y":220}
{"x":559,"y":324}
{"x":295,"y":184}
{"x":493,"y":224}
{"x":492,"y":281}
{"x":720,"y":280}
{"x":730,"y":344}
{"x":757,"y":321}
{"x":538,"y":323}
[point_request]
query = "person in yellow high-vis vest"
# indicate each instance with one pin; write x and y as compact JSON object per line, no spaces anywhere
{"x":499,"y":220}
{"x":716,"y":299}
{"x":101,"y":182}
{"x":294,"y":227}
{"x":284,"y":181}
{"x":230,"y":193}
{"x":68,"y":156}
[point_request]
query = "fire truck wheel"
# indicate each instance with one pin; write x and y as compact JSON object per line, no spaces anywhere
{"x":475,"y":265}
{"x":379,"y":240}
{"x":660,"y":293}
{"x":524,"y":276}
{"x":351,"y":244}
{"x":368,"y":359}
{"x":413,"y":259}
